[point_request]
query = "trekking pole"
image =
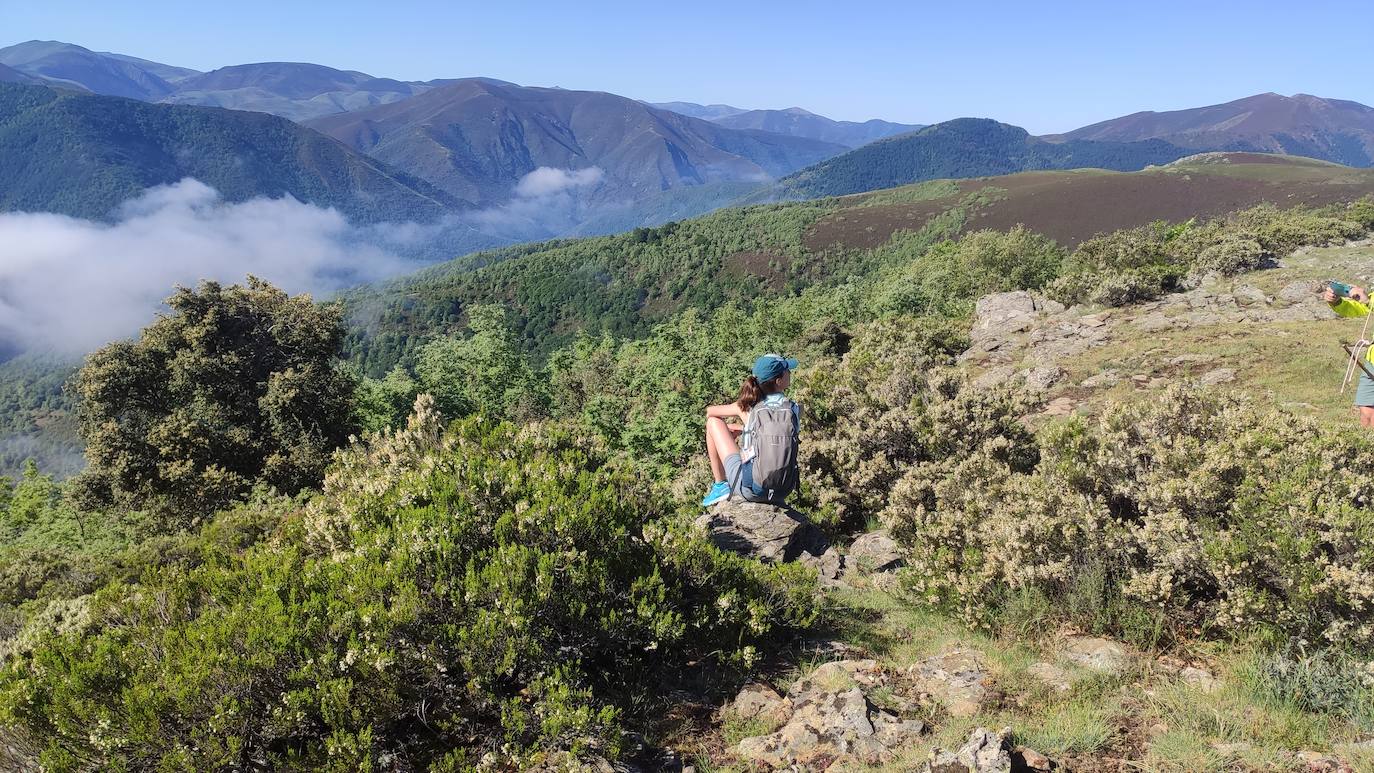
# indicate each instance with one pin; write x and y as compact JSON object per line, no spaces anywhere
{"x":1356,"y":351}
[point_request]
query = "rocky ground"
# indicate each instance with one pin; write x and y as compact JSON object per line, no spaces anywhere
{"x":1267,"y":331}
{"x":910,"y":690}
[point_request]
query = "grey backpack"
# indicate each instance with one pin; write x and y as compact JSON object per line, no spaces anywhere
{"x":774,"y":438}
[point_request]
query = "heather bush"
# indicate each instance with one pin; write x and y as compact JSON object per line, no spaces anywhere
{"x":892,"y":402}
{"x":451,"y":594}
{"x":1226,"y":516}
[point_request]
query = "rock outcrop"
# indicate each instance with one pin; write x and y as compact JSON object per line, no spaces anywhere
{"x":767,"y":532}
{"x":826,"y":719}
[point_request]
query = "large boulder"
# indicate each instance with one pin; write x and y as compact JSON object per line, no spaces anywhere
{"x":767,"y":532}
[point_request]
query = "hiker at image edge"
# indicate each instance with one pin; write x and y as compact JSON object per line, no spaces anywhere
{"x":761,"y":465}
{"x":1354,"y":302}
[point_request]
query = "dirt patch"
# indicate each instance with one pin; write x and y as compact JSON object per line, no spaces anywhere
{"x":759,"y":265}
{"x":1077,"y":205}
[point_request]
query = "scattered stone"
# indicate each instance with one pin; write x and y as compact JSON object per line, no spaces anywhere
{"x":1200,"y":678}
{"x":984,"y":752}
{"x":1218,"y":376}
{"x":1095,"y":320}
{"x":1106,"y":378}
{"x":831,"y":719}
{"x":1059,"y":679}
{"x":1154,"y":322}
{"x":1191,"y":359}
{"x":994,"y":377}
{"x":759,"y":701}
{"x":1060,"y":406}
{"x":829,"y":566}
{"x":1025,"y":758}
{"x":1042,"y":378}
{"x":1095,"y":654}
{"x":1158,"y":382}
{"x":1246,"y":295}
{"x":875,"y":551}
{"x":1051,"y":307}
{"x":956,"y":680}
{"x":766,"y":532}
{"x":1298,"y":292}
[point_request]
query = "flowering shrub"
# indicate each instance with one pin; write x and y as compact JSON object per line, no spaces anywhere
{"x":1227,"y":516}
{"x":890,"y":403}
{"x":484,"y":590}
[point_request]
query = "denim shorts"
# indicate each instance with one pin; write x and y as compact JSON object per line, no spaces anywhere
{"x":741,"y":477}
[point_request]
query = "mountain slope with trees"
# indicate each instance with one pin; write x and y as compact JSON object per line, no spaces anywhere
{"x":965,"y":147}
{"x":83,"y":155}
{"x":477,"y":138}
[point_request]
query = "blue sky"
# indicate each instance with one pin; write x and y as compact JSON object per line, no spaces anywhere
{"x":1045,"y":66}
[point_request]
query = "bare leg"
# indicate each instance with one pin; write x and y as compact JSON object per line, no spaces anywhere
{"x":720,"y":443}
{"x":1367,"y":416}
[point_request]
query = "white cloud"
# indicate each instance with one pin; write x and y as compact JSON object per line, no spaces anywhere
{"x":73,"y":284}
{"x":546,"y":181}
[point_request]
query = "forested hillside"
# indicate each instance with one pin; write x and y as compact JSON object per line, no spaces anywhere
{"x":965,"y":147}
{"x":623,"y":284}
{"x":84,"y":155}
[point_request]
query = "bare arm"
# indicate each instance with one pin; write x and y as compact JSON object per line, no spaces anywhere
{"x":726,"y":411}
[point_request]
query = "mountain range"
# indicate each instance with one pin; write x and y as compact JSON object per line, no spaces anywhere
{"x":477,"y":139}
{"x":1302,"y":125}
{"x":965,"y":147}
{"x":384,"y":149}
{"x":793,"y":121}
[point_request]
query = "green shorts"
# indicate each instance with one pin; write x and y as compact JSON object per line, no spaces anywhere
{"x":1364,"y":393}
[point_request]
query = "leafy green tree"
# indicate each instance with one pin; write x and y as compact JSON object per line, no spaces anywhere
{"x":235,"y":386}
{"x":485,"y":372}
{"x":383,"y":403}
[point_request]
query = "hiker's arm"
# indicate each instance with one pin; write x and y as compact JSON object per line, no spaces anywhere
{"x":1346,"y":307}
{"x":726,"y":411}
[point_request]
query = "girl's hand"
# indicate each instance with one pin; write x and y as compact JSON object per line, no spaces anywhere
{"x":1329,"y":296}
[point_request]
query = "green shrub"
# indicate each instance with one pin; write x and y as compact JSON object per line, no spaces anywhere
{"x":236,"y":386}
{"x":951,"y":276}
{"x":450,"y":594}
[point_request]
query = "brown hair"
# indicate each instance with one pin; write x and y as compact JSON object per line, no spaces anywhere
{"x":752,"y":391}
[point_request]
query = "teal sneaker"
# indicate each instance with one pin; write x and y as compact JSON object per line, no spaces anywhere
{"x":719,"y":491}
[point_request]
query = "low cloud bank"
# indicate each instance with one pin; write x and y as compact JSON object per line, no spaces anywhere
{"x":72,"y":285}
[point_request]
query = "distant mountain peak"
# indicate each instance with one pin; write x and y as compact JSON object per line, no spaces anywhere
{"x":1303,"y":124}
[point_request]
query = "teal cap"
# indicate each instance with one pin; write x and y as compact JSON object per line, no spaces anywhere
{"x":770,"y":366}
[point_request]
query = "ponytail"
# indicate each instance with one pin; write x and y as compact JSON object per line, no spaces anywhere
{"x":750,"y":393}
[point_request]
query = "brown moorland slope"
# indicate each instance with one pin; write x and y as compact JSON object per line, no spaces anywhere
{"x":1074,"y":205}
